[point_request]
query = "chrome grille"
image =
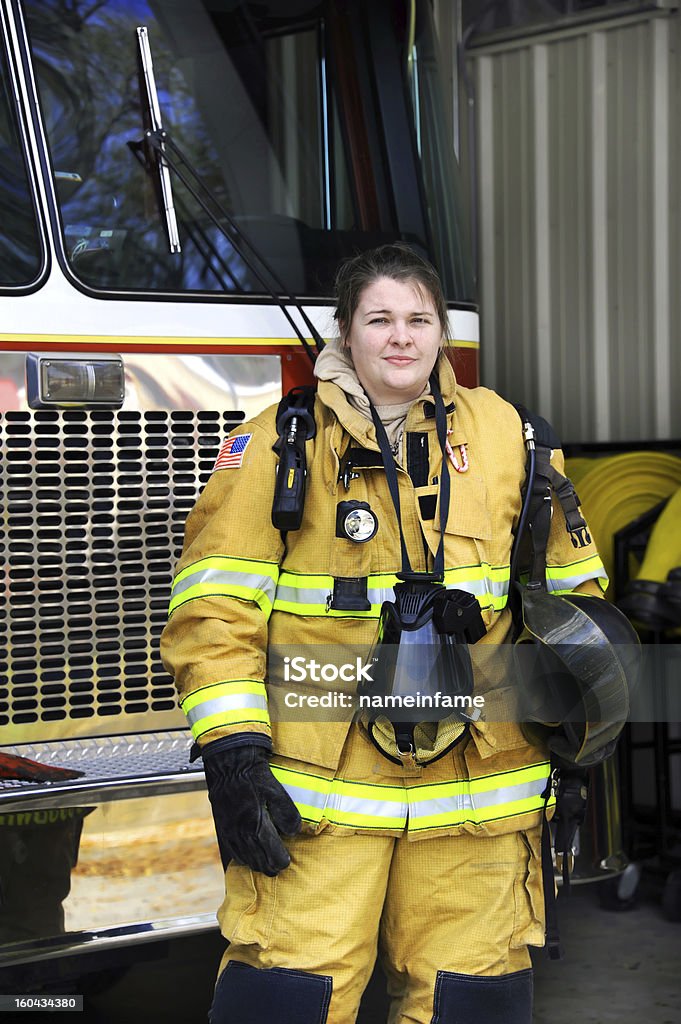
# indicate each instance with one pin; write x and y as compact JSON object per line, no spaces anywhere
{"x":92,"y":512}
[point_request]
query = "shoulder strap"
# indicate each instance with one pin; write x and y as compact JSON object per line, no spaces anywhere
{"x":541,"y":482}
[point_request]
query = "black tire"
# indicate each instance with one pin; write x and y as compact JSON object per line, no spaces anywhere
{"x":620,"y":894}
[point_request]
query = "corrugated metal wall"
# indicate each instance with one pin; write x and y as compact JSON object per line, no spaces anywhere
{"x":579,"y":226}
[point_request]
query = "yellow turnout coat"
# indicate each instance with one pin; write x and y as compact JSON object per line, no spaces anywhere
{"x":241,"y":588}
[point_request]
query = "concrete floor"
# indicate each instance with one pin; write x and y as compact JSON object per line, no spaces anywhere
{"x":620,"y":966}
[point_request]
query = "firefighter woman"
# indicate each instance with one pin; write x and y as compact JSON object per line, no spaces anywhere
{"x":352,"y":836}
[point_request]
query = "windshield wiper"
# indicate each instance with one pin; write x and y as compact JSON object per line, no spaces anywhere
{"x":153,"y":119}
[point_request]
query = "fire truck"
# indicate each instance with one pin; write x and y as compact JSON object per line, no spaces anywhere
{"x":178,"y":182}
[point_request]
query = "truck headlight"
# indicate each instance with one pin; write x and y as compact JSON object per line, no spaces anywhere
{"x":55,"y":380}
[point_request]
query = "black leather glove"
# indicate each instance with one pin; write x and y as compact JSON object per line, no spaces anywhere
{"x":250,"y":808}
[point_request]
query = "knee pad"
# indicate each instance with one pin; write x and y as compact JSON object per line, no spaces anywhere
{"x":249,"y":995}
{"x":470,"y":999}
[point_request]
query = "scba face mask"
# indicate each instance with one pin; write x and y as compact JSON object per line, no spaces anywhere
{"x":421,"y":663}
{"x":420,"y":658}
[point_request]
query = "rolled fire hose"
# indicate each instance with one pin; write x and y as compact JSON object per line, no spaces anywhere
{"x":663,"y":552}
{"x":653,"y":597}
{"x":579,"y":467}
{"x":619,"y":489}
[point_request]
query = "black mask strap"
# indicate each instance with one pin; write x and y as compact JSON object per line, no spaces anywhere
{"x":391,"y":476}
{"x":445,"y":482}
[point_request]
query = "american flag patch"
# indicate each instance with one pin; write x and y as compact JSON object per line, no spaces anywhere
{"x":231,"y":454}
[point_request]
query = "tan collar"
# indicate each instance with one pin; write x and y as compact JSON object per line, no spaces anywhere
{"x":362,"y":429}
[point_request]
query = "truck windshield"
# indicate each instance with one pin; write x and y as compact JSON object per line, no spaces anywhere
{"x":20,"y":251}
{"x":273,"y":103}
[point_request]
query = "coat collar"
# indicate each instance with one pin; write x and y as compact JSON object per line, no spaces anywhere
{"x":420,"y":416}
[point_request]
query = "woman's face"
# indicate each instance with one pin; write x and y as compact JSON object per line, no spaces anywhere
{"x":394,"y":338}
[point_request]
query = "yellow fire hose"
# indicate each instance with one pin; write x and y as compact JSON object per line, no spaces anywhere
{"x":579,"y":467}
{"x":663,"y":552}
{"x":616,"y":490}
{"x":653,"y":598}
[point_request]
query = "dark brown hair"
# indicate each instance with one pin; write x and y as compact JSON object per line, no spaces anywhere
{"x":397,"y":261}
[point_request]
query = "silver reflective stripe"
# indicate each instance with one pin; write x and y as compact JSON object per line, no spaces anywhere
{"x":480,"y":588}
{"x":377,"y":595}
{"x":318,"y":595}
{"x":498,"y":588}
{"x":569,"y":582}
{"x":232,"y":703}
{"x":308,"y":797}
{"x":510,"y":794}
{"x":226,"y":578}
{"x":344,"y":804}
{"x":400,"y":806}
{"x":453,"y":804}
{"x":302,"y":595}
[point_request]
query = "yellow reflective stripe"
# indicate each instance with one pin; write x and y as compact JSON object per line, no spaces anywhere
{"x":235,"y":590}
{"x":245,"y":565}
{"x":358,"y":805}
{"x":479,"y":800}
{"x":590,"y":564}
{"x":561,"y":579}
{"x":303,"y":594}
{"x":226,"y":688}
{"x":247,"y":716}
{"x":443,"y":805}
{"x":313,"y":581}
{"x":230,"y":702}
{"x":222,"y":576}
{"x":490,"y":783}
{"x":486,"y":582}
{"x":309,"y":594}
{"x":447,"y":819}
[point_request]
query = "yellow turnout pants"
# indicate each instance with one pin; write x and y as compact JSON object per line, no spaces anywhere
{"x":463,"y":904}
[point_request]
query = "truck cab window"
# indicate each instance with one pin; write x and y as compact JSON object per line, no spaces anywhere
{"x":245,"y":92}
{"x":20,"y":249}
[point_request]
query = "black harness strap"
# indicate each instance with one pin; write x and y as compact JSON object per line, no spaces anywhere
{"x":553,"y":946}
{"x":542,"y":481}
{"x":567,"y":496}
{"x":539,"y":516}
{"x":391,"y":476}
